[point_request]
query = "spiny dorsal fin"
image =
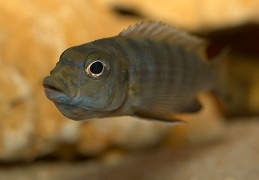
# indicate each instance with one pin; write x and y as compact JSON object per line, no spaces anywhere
{"x":159,"y":31}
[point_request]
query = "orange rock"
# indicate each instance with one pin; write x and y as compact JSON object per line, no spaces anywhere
{"x":193,"y":14}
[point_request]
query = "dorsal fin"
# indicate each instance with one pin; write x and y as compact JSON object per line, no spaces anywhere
{"x":159,"y":31}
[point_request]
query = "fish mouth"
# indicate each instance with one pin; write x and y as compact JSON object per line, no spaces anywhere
{"x":53,"y":92}
{"x":51,"y":88}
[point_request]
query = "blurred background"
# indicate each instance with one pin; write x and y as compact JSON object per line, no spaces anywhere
{"x":37,"y":142}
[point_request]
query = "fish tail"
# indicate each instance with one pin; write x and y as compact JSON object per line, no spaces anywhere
{"x":220,"y":76}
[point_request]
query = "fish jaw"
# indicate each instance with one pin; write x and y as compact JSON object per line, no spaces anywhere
{"x":76,"y":112}
{"x":57,"y":92}
{"x":69,"y":106}
{"x":53,"y":92}
{"x":55,"y":95}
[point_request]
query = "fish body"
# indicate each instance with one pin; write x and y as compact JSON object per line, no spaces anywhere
{"x":149,"y":70}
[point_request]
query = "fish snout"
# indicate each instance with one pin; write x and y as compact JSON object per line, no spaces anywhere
{"x":52,"y":90}
{"x":56,"y":90}
{"x":51,"y":86}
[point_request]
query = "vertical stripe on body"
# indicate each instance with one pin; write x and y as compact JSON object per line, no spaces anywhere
{"x":166,"y":76}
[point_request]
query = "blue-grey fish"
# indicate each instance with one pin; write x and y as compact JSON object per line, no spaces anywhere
{"x":150,"y":70}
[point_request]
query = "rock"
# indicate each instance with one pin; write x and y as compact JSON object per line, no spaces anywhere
{"x":17,"y":114}
{"x":233,"y":156}
{"x":193,"y":15}
{"x":127,"y":133}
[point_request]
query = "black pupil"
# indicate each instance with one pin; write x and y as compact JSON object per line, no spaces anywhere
{"x":96,"y":67}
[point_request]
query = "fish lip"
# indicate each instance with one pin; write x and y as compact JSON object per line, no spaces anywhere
{"x":59,"y":87}
{"x":55,"y":95}
{"x":53,"y":92}
{"x":51,"y":87}
{"x":75,"y":112}
{"x":59,"y":97}
{"x":47,"y":84}
{"x":70,"y":105}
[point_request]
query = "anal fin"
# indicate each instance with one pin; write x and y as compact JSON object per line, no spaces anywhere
{"x":192,"y":107}
{"x":167,"y":121}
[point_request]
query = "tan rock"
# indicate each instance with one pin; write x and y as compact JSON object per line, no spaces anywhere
{"x":193,"y":14}
{"x":16,"y":113}
{"x":125,"y":132}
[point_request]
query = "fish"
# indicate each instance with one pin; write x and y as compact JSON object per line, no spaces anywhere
{"x":150,"y":70}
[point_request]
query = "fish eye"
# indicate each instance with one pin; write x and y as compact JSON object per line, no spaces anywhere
{"x":97,"y":68}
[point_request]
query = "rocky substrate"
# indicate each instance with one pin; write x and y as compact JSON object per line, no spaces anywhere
{"x":232,"y":157}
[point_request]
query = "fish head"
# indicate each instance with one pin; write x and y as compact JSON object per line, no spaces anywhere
{"x":87,"y":83}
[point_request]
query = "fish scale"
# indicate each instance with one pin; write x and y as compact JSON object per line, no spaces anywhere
{"x":168,"y":87}
{"x":150,"y":70}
